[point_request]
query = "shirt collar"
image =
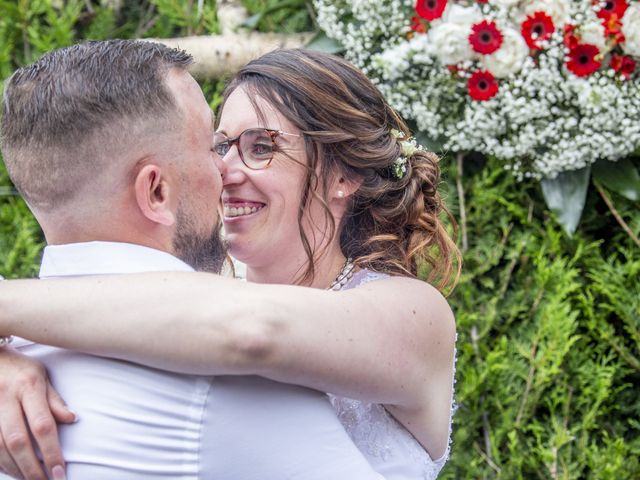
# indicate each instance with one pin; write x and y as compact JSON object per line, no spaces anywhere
{"x":105,"y":258}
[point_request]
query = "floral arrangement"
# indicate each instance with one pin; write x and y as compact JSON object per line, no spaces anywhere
{"x":548,"y":86}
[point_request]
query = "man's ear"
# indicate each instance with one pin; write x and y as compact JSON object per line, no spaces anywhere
{"x":153,"y":195}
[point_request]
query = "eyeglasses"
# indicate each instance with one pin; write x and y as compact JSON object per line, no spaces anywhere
{"x":256,"y":146}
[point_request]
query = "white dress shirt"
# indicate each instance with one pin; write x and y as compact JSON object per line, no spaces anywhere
{"x":138,"y":423}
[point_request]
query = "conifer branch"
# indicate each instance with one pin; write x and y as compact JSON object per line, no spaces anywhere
{"x":615,"y":214}
{"x":529,"y":383}
{"x":487,"y":459}
{"x":463,"y":213}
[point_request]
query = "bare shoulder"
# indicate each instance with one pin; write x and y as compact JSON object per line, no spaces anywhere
{"x":416,"y":305}
{"x":408,"y":295}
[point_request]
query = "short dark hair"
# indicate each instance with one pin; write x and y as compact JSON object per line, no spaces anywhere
{"x":73,"y":108}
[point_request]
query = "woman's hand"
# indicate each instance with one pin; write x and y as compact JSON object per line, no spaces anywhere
{"x":29,"y":404}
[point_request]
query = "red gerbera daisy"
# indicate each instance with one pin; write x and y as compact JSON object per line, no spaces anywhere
{"x":485,"y":37}
{"x":430,"y":9}
{"x":612,"y":29}
{"x":482,"y":86}
{"x":610,"y":7}
{"x":537,"y":28}
{"x":482,"y":1}
{"x":570,"y":38}
{"x":583,"y":59}
{"x":417,"y":25}
{"x":623,"y":65}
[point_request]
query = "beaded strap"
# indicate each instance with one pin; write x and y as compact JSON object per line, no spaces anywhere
{"x":344,"y":276}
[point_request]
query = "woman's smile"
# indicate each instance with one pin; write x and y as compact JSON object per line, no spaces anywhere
{"x":241,"y":208}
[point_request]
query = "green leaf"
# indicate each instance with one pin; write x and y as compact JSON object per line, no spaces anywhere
{"x":565,"y":196}
{"x":323,"y":43}
{"x":432,"y":144}
{"x":621,"y":177}
{"x":8,"y":191}
{"x":423,"y":138}
{"x":252,"y":22}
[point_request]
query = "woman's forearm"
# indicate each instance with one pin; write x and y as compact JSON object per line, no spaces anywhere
{"x":161,"y":320}
{"x":380,"y":342}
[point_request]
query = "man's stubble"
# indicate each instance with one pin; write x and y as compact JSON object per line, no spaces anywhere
{"x":204,"y":251}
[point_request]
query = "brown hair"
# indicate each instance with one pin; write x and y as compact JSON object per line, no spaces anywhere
{"x":68,"y":115}
{"x":393,"y":224}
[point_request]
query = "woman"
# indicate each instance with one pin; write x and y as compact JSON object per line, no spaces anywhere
{"x":322,"y":188}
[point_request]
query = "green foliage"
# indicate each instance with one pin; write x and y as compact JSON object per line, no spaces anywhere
{"x":213,"y":92}
{"x":21,"y":240}
{"x":186,"y":18}
{"x":620,"y":176}
{"x":549,"y":337}
{"x":566,"y":195}
{"x":280,"y":15}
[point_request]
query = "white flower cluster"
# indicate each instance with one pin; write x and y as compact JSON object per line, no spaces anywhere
{"x":543,"y":120}
{"x":364,"y":26}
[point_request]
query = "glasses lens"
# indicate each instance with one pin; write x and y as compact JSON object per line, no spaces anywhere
{"x":220,"y":144}
{"x":257,"y":148}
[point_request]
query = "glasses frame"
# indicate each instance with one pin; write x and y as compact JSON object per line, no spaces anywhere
{"x":273,"y":134}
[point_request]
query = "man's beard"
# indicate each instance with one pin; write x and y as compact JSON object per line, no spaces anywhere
{"x":205,"y":253}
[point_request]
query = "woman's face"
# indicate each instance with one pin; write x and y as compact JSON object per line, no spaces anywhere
{"x":261,"y":206}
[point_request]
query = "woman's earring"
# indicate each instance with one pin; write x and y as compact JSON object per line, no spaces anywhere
{"x":340,"y":194}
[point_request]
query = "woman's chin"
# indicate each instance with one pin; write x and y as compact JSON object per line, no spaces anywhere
{"x":238,"y":249}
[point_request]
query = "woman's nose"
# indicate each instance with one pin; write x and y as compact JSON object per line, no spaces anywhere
{"x":231,"y":166}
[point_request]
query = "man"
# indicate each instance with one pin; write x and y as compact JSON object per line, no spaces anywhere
{"x":110,"y":145}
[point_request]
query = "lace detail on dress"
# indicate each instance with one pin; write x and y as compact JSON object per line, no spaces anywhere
{"x":388,"y":446}
{"x":390,"y":449}
{"x":364,"y":276}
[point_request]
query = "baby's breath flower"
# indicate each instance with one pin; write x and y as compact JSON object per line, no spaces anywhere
{"x":542,"y":121}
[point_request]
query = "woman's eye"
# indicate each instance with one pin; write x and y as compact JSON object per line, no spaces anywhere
{"x":221,"y":148}
{"x":261,"y":148}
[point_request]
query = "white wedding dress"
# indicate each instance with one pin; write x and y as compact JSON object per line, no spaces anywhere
{"x":390,"y":449}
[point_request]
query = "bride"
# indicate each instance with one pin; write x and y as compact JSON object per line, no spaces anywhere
{"x":323,"y":188}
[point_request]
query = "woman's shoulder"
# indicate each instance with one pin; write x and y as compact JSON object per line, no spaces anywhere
{"x":406,"y":300}
{"x":404,"y":288}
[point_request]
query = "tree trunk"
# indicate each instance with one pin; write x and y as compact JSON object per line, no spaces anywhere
{"x":217,"y":56}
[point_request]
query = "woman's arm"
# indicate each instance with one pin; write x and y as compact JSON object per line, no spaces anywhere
{"x":389,"y":341}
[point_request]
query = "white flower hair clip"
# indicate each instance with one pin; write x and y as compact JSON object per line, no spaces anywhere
{"x":408,"y":146}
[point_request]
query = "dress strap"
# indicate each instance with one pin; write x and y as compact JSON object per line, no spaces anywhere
{"x":364,"y":276}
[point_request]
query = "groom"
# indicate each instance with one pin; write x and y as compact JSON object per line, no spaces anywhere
{"x":110,"y":145}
